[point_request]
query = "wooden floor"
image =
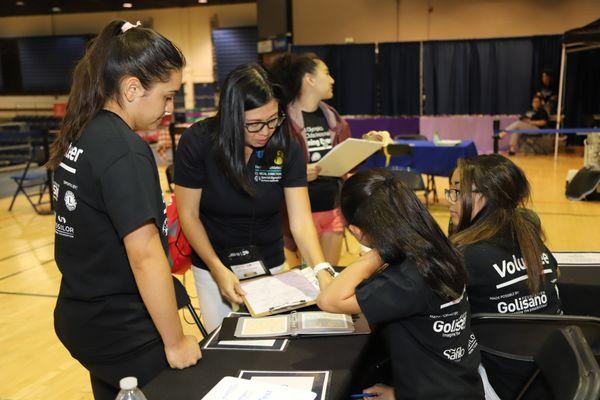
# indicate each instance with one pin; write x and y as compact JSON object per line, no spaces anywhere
{"x":35,"y":366}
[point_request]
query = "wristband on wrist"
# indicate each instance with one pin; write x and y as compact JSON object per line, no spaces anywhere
{"x":324,"y":266}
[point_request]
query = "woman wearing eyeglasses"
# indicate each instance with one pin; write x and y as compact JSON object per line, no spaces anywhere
{"x":233,"y":174}
{"x":305,"y":83}
{"x":510,"y":268}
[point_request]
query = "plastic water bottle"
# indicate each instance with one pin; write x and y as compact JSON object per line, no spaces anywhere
{"x":129,"y":389}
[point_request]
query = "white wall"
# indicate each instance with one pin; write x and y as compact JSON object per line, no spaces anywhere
{"x":189,"y":28}
{"x":332,"y":21}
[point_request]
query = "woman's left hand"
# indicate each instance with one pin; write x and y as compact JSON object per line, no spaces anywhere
{"x":312,"y":172}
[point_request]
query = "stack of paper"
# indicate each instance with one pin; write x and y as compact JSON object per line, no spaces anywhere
{"x":230,"y":388}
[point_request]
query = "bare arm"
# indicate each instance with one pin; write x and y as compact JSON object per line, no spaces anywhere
{"x":188,"y":208}
{"x":538,"y":122}
{"x":303,"y":229}
{"x":339,"y":296}
{"x":155,"y":283}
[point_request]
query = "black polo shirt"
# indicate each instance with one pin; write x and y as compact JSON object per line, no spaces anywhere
{"x":324,"y":190}
{"x":434,"y":354}
{"x":230,"y":216}
{"x":106,"y":186}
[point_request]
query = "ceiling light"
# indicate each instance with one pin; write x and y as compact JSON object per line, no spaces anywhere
{"x":56,"y":9}
{"x":127,"y":5}
{"x":202,"y":1}
{"x":20,"y":3}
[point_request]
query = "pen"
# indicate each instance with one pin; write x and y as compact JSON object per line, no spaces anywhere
{"x":362,"y":395}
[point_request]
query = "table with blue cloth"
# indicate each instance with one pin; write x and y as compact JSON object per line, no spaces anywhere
{"x":426,"y":157}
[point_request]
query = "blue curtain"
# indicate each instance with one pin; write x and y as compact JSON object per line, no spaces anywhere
{"x":398,"y":78}
{"x":492,"y":76}
{"x":233,"y":46}
{"x":546,"y":56}
{"x":353,"y":68}
{"x":582,"y":88}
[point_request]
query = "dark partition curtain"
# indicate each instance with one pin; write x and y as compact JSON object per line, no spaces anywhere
{"x":232,"y":47}
{"x":546,"y":56}
{"x":582,"y":88}
{"x":494,"y":76}
{"x":353,"y":68}
{"x":398,"y":76}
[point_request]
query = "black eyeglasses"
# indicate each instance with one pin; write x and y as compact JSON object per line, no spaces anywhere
{"x":255,"y":127}
{"x":452,"y":194}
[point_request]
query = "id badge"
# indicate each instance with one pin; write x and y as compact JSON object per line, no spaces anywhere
{"x":248,"y":270}
{"x":245,"y":262}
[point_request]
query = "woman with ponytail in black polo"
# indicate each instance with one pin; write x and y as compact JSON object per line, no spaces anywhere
{"x":116,"y":311}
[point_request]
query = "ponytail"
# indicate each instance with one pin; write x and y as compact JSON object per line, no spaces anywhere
{"x":112,"y":55}
{"x":288,"y":71}
{"x":506,"y":191}
{"x":399,"y":227}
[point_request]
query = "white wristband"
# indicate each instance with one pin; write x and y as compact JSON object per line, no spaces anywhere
{"x":324,"y":266}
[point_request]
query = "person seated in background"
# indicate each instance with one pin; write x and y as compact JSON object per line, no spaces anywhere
{"x":536,"y":118}
{"x":411,"y":286}
{"x":510,"y":269}
{"x":547,"y":92}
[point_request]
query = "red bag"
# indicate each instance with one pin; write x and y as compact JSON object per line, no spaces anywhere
{"x":180,"y":250}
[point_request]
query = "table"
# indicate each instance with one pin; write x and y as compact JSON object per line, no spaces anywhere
{"x":478,"y":128}
{"x":579,"y":287}
{"x":342,"y":355}
{"x":427,"y":158}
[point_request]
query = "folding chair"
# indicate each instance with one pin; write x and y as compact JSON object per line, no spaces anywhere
{"x":430,"y":184}
{"x":184,"y":301}
{"x":28,"y":147}
{"x":411,"y":178}
{"x":567,"y":364}
{"x":510,"y":342}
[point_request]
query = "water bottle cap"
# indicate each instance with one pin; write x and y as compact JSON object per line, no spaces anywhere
{"x":128,"y":383}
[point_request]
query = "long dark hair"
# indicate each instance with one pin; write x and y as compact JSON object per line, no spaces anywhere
{"x":399,"y":227}
{"x":506,"y":191}
{"x":245,"y":88}
{"x":288,"y":72}
{"x":112,"y":55}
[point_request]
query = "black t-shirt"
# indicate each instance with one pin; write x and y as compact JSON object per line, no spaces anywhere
{"x":106,"y":186}
{"x":323,"y":191}
{"x":539,"y":115}
{"x":433,"y":351}
{"x":231,"y":217}
{"x":546,"y":92}
{"x":498,"y":284}
{"x":498,"y":278}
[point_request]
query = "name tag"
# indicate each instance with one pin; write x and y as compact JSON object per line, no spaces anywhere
{"x":249,"y":270}
{"x":245,"y":262}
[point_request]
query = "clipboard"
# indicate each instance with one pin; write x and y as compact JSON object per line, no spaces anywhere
{"x":347,"y":155}
{"x":275,"y":294}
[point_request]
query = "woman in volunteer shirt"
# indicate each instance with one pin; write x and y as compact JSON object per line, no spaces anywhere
{"x":305,"y":82}
{"x":233,"y":174}
{"x":116,"y":311}
{"x":510,"y":268}
{"x":411,"y":285}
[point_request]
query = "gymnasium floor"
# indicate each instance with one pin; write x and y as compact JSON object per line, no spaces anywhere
{"x":35,"y":366}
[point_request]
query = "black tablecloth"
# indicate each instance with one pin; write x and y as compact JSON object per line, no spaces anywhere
{"x":579,"y":288}
{"x":342,"y":355}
